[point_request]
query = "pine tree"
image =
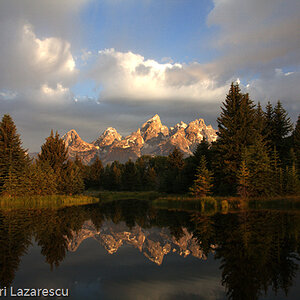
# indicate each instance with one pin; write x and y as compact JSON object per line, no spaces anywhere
{"x":175,"y":159}
{"x":260,"y":120}
{"x":269,"y":118}
{"x":279,"y":126}
{"x":259,"y":165}
{"x":172,"y":178}
{"x":296,"y":144}
{"x":13,"y":158}
{"x":129,"y":176}
{"x":243,"y":177}
{"x":203,"y":148}
{"x":80,"y":165}
{"x":116,"y":175}
{"x":276,"y":172}
{"x":151,"y":178}
{"x":54,"y":152}
{"x":237,"y":130}
{"x":95,"y":173}
{"x":282,"y":124}
{"x":38,"y":180}
{"x":203,"y":182}
{"x":141,"y":165}
{"x":292,"y":181}
{"x":107,"y":181}
{"x":12,"y":183}
{"x":70,"y":181}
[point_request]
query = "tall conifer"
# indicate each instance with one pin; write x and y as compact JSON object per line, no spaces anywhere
{"x":203,"y":182}
{"x":296,"y":144}
{"x":54,"y":152}
{"x":282,"y":127}
{"x":237,"y":130}
{"x":243,"y":177}
{"x":259,"y":165}
{"x":13,"y":158}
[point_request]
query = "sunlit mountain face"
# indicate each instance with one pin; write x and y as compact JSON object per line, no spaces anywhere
{"x":123,"y":247}
{"x":153,"y":138}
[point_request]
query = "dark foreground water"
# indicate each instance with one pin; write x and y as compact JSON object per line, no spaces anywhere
{"x":130,"y":250}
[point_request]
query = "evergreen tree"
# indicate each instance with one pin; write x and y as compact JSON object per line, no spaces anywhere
{"x":70,"y":181}
{"x":80,"y":165}
{"x":116,"y":175}
{"x":269,"y":118}
{"x":203,"y":181}
{"x":296,"y":144}
{"x":282,"y":127}
{"x":151,"y":178}
{"x":175,"y":159}
{"x":38,"y":180}
{"x":292,"y":181}
{"x":171,"y":181}
{"x":237,"y":130}
{"x":12,"y":183}
{"x":277,"y":178}
{"x":13,"y":158}
{"x":96,"y":173}
{"x":259,"y":165}
{"x":260,"y":120}
{"x":54,"y":152}
{"x":142,"y":165}
{"x":129,"y":176}
{"x":203,"y":148}
{"x":243,"y":177}
{"x":107,"y":181}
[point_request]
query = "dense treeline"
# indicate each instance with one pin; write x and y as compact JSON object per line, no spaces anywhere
{"x":257,"y":153}
{"x":51,"y":173}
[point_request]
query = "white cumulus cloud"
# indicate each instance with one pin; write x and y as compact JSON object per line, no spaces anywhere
{"x":32,"y":62}
{"x":129,"y":76}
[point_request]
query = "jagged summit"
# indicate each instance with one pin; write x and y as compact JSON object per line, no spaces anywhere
{"x":155,"y":118}
{"x":77,"y":146}
{"x":72,"y":138}
{"x":179,"y":126}
{"x":153,"y":138}
{"x":153,"y":127}
{"x":107,"y":137}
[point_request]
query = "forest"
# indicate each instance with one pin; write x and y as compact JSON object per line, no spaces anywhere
{"x":257,"y":154}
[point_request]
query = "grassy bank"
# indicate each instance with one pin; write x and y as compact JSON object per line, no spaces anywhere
{"x":40,"y":202}
{"x":226,"y":203}
{"x":204,"y":203}
{"x":208,"y":204}
{"x":107,"y":196}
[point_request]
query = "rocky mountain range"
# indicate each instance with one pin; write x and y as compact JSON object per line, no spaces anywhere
{"x":153,"y":138}
{"x":154,"y":243}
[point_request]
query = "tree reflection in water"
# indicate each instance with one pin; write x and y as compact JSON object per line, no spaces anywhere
{"x":257,"y":250}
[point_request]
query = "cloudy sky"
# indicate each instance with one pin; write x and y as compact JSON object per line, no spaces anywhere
{"x":90,"y":64}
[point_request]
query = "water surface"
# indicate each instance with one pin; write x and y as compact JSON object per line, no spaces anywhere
{"x":130,"y":250}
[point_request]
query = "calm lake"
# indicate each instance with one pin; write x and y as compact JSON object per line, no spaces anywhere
{"x":131,"y":250}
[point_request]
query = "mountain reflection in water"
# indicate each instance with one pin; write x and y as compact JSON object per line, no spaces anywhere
{"x":252,"y":254}
{"x":154,"y":243}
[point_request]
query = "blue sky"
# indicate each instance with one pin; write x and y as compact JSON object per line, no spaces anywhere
{"x":161,"y":30}
{"x":88,"y":64}
{"x":157,"y":29}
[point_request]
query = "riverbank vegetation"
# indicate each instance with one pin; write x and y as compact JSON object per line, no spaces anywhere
{"x":48,"y":202}
{"x":257,"y":154}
